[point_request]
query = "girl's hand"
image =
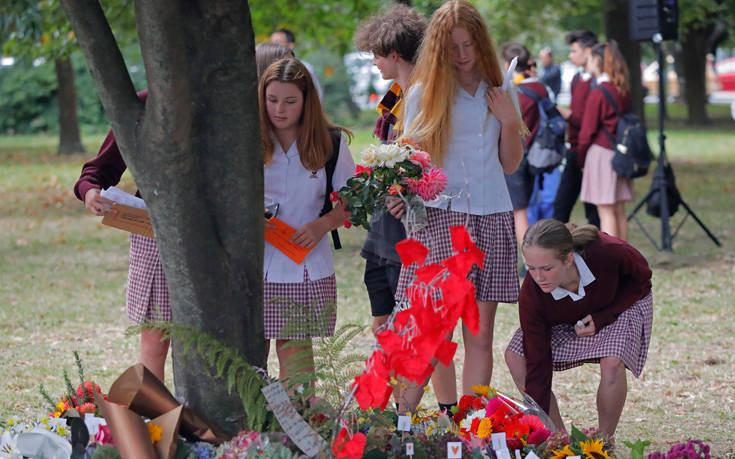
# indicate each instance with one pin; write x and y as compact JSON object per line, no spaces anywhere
{"x":588,"y":329}
{"x":309,"y":234}
{"x":96,"y":203}
{"x":501,"y":105}
{"x":565,"y":112}
{"x":395,"y":206}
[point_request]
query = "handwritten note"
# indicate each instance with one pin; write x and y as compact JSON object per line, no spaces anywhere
{"x":404,"y":423}
{"x":498,"y":440}
{"x":279,"y":235}
{"x":454,"y":449}
{"x":293,"y":424}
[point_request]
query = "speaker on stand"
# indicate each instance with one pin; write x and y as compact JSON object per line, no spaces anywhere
{"x":656,"y":21}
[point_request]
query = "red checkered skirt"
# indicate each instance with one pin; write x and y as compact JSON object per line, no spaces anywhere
{"x":627,"y":339}
{"x":494,"y":234}
{"x":147,"y":297}
{"x":300,"y":310}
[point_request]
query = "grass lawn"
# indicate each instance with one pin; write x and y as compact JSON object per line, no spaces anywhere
{"x":63,"y":277}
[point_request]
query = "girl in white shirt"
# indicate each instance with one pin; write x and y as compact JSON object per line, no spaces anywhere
{"x":457,"y":111}
{"x":299,"y":299}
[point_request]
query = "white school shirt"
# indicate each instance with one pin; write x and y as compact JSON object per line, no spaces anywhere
{"x":300,"y":195}
{"x":471,"y":163}
{"x":585,"y":278}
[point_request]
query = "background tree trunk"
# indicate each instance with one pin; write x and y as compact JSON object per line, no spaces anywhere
{"x":69,"y":140}
{"x":694,"y":47}
{"x":616,"y":27}
{"x":194,"y":150}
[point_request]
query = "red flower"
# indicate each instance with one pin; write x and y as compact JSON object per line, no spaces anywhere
{"x":465,"y":402}
{"x":348,"y":448}
{"x":478,"y":404}
{"x":87,"y":408}
{"x":475,"y":425}
{"x":458,"y":416}
{"x":359,"y":170}
{"x":104,"y":436}
{"x":514,"y":443}
{"x":90,"y":388}
{"x":319,"y":418}
{"x":334,"y":196}
{"x":347,"y":223}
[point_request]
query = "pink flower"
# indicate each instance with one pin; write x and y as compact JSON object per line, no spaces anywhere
{"x":104,"y":437}
{"x":538,"y":436}
{"x":429,"y":185}
{"x":421,"y":158}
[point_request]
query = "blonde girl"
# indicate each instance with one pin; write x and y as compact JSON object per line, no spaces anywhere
{"x":299,"y":299}
{"x":456,"y":109}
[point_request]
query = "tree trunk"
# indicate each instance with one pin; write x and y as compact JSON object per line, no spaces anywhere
{"x":616,"y":28}
{"x":69,"y":140}
{"x":194,"y":150}
{"x":694,"y":43}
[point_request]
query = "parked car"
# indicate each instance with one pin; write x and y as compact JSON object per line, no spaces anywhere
{"x":725,"y":70}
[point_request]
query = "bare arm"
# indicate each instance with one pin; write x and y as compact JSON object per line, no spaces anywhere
{"x":510,"y":150}
{"x":311,"y":233}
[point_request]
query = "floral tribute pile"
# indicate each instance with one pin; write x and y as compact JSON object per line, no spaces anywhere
{"x":384,"y":170}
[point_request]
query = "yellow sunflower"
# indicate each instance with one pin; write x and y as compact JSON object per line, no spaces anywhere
{"x":593,"y":449}
{"x":562,"y":453}
{"x":485,"y":428}
{"x":482,"y":391}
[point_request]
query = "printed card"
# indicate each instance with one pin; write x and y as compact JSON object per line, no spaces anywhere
{"x":503,"y":453}
{"x":404,"y":423}
{"x":454,"y":449}
{"x":409,"y":449}
{"x":498,"y":441}
{"x":532,"y":455}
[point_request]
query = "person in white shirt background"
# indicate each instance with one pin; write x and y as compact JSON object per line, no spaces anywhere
{"x":297,"y":144}
{"x":457,"y":111}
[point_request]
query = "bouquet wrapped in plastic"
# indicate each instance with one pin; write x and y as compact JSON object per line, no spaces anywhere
{"x":400,"y":170}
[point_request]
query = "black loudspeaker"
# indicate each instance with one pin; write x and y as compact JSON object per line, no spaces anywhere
{"x":646,"y":18}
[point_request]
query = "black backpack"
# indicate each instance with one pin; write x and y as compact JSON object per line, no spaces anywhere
{"x":329,"y":167}
{"x":547,"y":147}
{"x":632,"y":153}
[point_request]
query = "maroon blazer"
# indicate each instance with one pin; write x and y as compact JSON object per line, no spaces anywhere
{"x":598,"y":112}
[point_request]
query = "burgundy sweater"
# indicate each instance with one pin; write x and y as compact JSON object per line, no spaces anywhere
{"x":529,"y":109}
{"x":105,"y":169}
{"x":622,"y":277}
{"x":580,"y":89}
{"x":599,"y":112}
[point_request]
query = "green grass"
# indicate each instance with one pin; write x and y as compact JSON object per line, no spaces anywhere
{"x":63,"y":277}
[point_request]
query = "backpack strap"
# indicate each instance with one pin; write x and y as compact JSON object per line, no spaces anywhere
{"x":610,"y":99}
{"x":575,"y":80}
{"x":528,"y":92}
{"x":329,"y":167}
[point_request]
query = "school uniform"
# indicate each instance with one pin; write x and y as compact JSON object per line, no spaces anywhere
{"x":615,"y":289}
{"x":382,"y":263}
{"x":475,"y":195}
{"x":300,"y":299}
{"x":600,"y":184}
{"x":571,"y":179}
{"x":147,"y":297}
{"x":520,"y":183}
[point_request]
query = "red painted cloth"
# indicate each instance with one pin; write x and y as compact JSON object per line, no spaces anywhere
{"x":105,"y":169}
{"x":622,"y":277}
{"x":580,"y":89}
{"x":598,"y":112}
{"x":529,"y":109}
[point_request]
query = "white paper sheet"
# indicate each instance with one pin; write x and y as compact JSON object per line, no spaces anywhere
{"x":123,"y":197}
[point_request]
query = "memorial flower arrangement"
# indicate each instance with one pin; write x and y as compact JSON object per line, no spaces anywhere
{"x":400,"y":170}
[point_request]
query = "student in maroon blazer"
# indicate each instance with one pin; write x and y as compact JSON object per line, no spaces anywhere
{"x":580,"y":44}
{"x":147,"y":295}
{"x":586,"y":299}
{"x":601,"y":186}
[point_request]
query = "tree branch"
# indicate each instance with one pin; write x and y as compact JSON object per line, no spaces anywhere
{"x":107,"y":66}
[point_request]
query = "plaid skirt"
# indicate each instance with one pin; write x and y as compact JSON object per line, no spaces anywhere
{"x":147,"y":298}
{"x":300,"y":310}
{"x":627,"y":339}
{"x":494,"y":234}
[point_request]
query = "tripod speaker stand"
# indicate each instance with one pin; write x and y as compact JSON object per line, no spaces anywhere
{"x":648,"y":20}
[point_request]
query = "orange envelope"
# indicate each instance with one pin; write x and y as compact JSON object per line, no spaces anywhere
{"x":279,"y":235}
{"x":129,"y":219}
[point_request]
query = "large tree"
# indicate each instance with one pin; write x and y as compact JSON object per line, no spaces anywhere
{"x":194,"y":151}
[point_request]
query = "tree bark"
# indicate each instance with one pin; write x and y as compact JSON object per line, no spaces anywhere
{"x":69,"y":140}
{"x":194,"y":150}
{"x":616,"y":27}
{"x":694,"y":45}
